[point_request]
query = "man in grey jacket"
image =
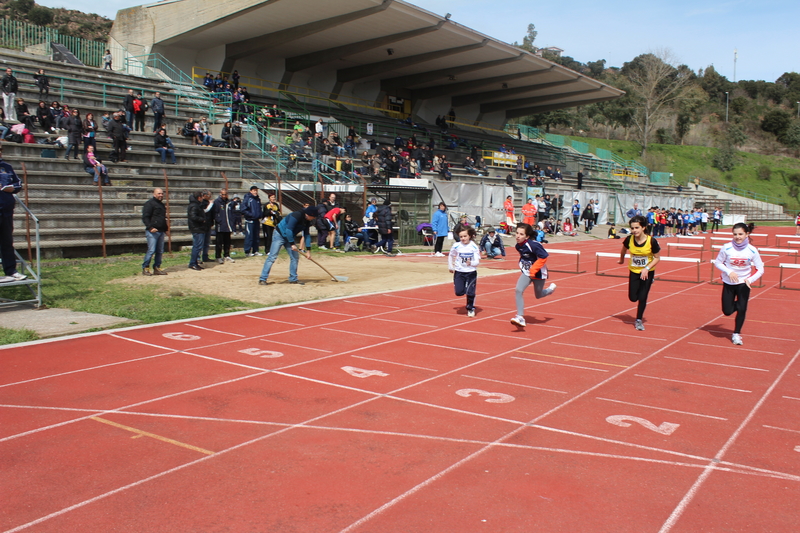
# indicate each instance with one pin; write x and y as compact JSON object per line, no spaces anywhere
{"x":157,"y":106}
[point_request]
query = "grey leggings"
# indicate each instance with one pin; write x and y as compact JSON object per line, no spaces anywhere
{"x":538,"y":290}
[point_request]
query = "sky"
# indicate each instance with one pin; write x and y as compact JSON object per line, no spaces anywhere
{"x":698,"y":33}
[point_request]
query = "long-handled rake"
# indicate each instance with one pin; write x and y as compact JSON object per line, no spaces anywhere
{"x":333,"y":278}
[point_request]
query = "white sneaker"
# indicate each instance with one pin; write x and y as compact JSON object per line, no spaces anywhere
{"x":551,"y":287}
{"x":18,"y":277}
{"x":737,"y":339}
{"x":258,"y":254}
{"x":323,"y":247}
{"x":519,"y":321}
{"x":438,"y":254}
{"x":229,"y":260}
{"x":471,"y":313}
{"x":6,"y":279}
{"x":249,"y":255}
{"x":639,"y":325}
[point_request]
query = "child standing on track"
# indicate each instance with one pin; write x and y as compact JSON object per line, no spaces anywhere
{"x":797,"y":223}
{"x":463,"y":258}
{"x":644,"y":251}
{"x":736,"y":261}
{"x":532,"y":259}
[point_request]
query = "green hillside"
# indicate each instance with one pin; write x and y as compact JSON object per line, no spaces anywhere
{"x":774,"y":176}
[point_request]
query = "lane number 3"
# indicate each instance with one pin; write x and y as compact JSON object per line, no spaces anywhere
{"x":491,"y":397}
{"x":624,"y":421}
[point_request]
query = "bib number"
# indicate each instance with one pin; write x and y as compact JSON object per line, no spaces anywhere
{"x":639,"y":261}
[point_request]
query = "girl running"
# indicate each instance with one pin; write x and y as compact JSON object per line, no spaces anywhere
{"x":736,"y":261}
{"x":797,"y":223}
{"x":644,"y":251}
{"x":532,"y":259}
{"x":463,"y":258}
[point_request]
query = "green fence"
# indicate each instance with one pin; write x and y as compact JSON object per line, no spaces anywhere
{"x":662,"y":178}
{"x":36,"y":39}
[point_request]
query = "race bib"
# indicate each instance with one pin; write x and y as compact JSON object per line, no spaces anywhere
{"x":639,"y":261}
{"x":465,"y":259}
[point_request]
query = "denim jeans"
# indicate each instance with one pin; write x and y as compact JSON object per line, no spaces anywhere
{"x":164,"y":152}
{"x":155,"y":247}
{"x":206,"y":246}
{"x":197,"y":248}
{"x":279,"y":241}
{"x":491,"y":251}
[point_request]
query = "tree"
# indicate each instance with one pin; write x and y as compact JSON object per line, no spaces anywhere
{"x":22,"y":6}
{"x":527,"y":41}
{"x":776,"y":121}
{"x":791,"y":137}
{"x":41,"y":15}
{"x":596,"y":68}
{"x":714,"y":83}
{"x":655,"y":86}
{"x":689,"y":110}
{"x":559,"y":117}
{"x":735,"y":135}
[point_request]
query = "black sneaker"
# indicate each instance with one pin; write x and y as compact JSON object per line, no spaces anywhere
{"x":298,"y":282}
{"x":263,"y":282}
{"x":196,"y":267}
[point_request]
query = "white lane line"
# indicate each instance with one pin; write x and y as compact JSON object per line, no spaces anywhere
{"x":296,"y":345}
{"x":515,"y":384}
{"x":558,"y":364}
{"x":571,"y":316}
{"x":791,"y":398}
{"x":447,"y":347}
{"x":649,"y":325}
{"x":781,"y":429}
{"x":393,"y":363}
{"x":691,"y":383}
{"x":87,"y":369}
{"x":519,"y":423}
{"x":356,"y":333}
{"x":374,"y":305}
{"x":275,"y":320}
{"x":409,"y":298}
{"x":482,"y":333}
{"x":661,"y":408}
{"x":401,"y":322}
{"x":505,"y":320}
{"x":754,"y":336}
{"x":624,"y":335}
{"x":596,"y":348}
{"x":46,"y":408}
{"x":717,"y":364}
{"x":326,"y":312}
{"x":215,"y":330}
{"x":737,"y":348}
{"x":137,"y":341}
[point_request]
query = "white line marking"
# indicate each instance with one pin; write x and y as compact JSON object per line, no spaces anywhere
{"x":737,"y":348}
{"x":570,"y":316}
{"x":781,"y":429}
{"x":481,"y":333}
{"x":596,"y":348}
{"x":515,"y":384}
{"x":557,"y":364}
{"x":374,"y":305}
{"x":274,"y":320}
{"x":401,"y":322}
{"x":409,"y":298}
{"x":791,"y":398}
{"x":45,"y":408}
{"x":356,"y":333}
{"x":661,"y":408}
{"x":393,"y":363}
{"x":296,"y":346}
{"x":214,"y":330}
{"x":137,"y":341}
{"x":505,"y":320}
{"x":692,"y":383}
{"x":448,"y":347}
{"x":717,"y":364}
{"x":624,"y":335}
{"x":326,"y":312}
{"x":87,"y":369}
{"x":454,"y":410}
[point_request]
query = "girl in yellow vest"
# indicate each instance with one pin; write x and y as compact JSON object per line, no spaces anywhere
{"x":644,"y":251}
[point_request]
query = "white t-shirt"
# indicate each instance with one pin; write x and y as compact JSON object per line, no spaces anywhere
{"x":730,"y":260}
{"x":460,"y":254}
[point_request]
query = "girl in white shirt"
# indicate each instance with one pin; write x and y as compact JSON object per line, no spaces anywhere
{"x":463,"y":258}
{"x":736,"y":261}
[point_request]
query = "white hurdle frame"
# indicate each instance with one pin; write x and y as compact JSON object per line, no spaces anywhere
{"x":577,"y":255}
{"x":793,"y":266}
{"x":598,"y":255}
{"x":678,"y":245}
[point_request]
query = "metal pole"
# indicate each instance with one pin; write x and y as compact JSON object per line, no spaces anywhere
{"x":27,"y":217}
{"x":726,"y":106}
{"x":102,"y":214}
{"x":169,"y":219}
{"x":224,"y":177}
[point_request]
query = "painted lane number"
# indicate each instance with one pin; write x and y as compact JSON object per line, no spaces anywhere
{"x":623,"y":421}
{"x":178,"y":336}
{"x":265,"y":354}
{"x":491,"y":397}
{"x":362,"y":373}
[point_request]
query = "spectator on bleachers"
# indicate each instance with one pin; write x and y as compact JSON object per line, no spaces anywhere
{"x":74,"y":126}
{"x":580,"y":180}
{"x":413,"y":168}
{"x":55,"y":113}
{"x":503,"y":149}
{"x":469,"y":166}
{"x":164,"y":146}
{"x":208,"y":82}
{"x":139,"y":109}
{"x":348,"y":171}
{"x":234,"y":135}
{"x":437,"y":163}
{"x":127,"y":105}
{"x":445,"y":172}
{"x":43,"y":83}
{"x":548,"y":172}
{"x":218,"y":83}
{"x":548,"y":205}
{"x":107,"y":60}
{"x":519,"y":167}
{"x":4,"y":127}
{"x":23,"y":115}
{"x":10,"y":87}
{"x":398,"y":142}
{"x":557,"y":175}
{"x":116,"y":130}
{"x":235,"y":79}
{"x":350,"y":146}
{"x":89,"y":132}
{"x":94,"y":167}
{"x":189,"y":130}
{"x":157,"y":107}
{"x":105,"y":121}
{"x":44,"y":117}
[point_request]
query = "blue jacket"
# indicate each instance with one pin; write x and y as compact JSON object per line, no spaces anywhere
{"x":293,"y":224}
{"x":439,"y":223}
{"x":251,"y":207}
{"x":7,"y":200}
{"x":223,"y":215}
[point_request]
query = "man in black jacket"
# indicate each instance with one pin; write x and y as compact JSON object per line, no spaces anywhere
{"x":196,"y":217}
{"x":116,"y":131}
{"x":384,"y":218}
{"x":127,"y":104}
{"x":154,"y":216}
{"x":252,"y":212}
{"x":9,"y":86}
{"x":223,"y":213}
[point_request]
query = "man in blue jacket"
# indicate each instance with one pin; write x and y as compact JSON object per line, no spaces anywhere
{"x":284,"y":236}
{"x":9,"y":186}
{"x":252,"y":212}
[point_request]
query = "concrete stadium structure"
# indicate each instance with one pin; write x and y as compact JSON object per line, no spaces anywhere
{"x":371,"y":50}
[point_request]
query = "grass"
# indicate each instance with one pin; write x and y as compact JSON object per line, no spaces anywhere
{"x":686,"y":161}
{"x":13,"y":336}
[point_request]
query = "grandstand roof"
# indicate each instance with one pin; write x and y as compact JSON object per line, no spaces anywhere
{"x":359,"y":47}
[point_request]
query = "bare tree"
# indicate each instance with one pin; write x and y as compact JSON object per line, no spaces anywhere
{"x":655,"y":86}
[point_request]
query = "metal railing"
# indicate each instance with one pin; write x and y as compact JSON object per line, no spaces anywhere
{"x":32,"y":267}
{"x":36,"y":39}
{"x":735,"y":190}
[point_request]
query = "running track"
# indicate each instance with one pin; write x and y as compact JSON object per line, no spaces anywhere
{"x":396,"y":413}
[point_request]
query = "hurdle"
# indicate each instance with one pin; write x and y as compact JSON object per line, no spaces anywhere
{"x":692,"y":260}
{"x":765,"y":235}
{"x":715,"y":272}
{"x":792,"y":266}
{"x":779,"y":237}
{"x":691,"y":238}
{"x":684,"y":245}
{"x":577,"y":255}
{"x":793,"y":243}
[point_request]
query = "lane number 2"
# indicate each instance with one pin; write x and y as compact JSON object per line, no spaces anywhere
{"x":362,"y":373}
{"x":491,"y":397}
{"x":623,"y":421}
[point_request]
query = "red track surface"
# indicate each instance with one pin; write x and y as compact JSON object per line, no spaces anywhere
{"x":395,"y":412}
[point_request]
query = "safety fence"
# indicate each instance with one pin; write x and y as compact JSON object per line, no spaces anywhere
{"x":31,"y":38}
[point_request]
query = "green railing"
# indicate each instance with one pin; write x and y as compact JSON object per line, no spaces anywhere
{"x":36,"y":39}
{"x":661,"y":178}
{"x":735,"y":190}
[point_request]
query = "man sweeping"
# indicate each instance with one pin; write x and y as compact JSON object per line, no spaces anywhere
{"x":284,"y":236}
